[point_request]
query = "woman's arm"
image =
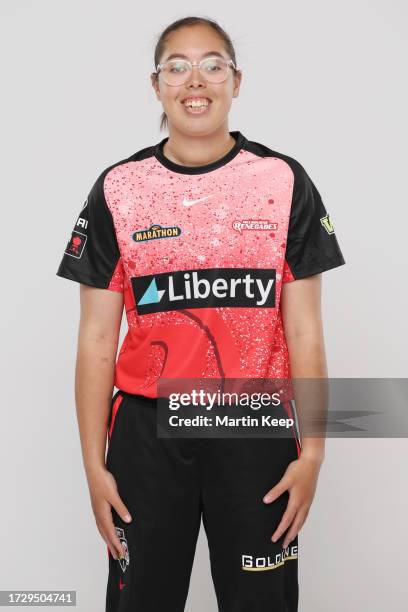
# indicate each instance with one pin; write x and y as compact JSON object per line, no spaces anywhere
{"x":99,"y":329}
{"x":302,"y":323}
{"x":301,"y":316}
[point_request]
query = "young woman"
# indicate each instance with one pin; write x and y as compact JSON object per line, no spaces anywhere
{"x":205,"y":208}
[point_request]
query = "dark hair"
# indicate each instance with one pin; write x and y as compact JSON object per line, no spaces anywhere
{"x":190,"y":21}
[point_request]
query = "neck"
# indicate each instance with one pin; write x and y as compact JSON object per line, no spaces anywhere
{"x":197,"y":150}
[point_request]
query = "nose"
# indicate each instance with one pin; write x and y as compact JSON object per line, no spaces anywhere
{"x":195,"y":79}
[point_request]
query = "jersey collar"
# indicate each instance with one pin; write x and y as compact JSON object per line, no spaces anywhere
{"x":240,"y":140}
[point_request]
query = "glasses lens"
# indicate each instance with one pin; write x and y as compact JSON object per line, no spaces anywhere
{"x":175,"y":72}
{"x":214,"y":69}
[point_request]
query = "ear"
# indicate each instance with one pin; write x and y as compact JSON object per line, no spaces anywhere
{"x":155,"y":85}
{"x":237,"y":83}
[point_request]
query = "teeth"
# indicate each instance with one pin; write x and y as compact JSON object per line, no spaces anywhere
{"x":196,"y":103}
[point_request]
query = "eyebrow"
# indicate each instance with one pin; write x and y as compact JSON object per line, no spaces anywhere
{"x":177,"y":55}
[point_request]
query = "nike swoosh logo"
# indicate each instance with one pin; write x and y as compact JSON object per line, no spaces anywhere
{"x":191,"y":202}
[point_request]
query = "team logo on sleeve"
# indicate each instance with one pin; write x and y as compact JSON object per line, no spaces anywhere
{"x":327,"y":224}
{"x":156,"y":231}
{"x":121,"y":535}
{"x":76,"y":245}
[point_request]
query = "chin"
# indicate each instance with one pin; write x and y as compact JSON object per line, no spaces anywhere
{"x":202,"y":125}
{"x":194,"y":127}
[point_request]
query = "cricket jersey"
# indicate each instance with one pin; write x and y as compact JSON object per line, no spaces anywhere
{"x":200,"y":255}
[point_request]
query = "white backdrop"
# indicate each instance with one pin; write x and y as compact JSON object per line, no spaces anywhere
{"x":323,"y":82}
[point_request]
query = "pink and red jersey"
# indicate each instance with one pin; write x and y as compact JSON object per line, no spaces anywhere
{"x":200,"y":255}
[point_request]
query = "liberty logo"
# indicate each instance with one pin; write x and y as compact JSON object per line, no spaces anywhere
{"x":208,"y":288}
{"x":156,"y":231}
{"x":152,"y":295}
{"x":327,"y":224}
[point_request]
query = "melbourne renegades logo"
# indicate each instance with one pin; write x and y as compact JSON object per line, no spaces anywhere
{"x":76,"y":245}
{"x":121,"y":535}
{"x":253,"y":224}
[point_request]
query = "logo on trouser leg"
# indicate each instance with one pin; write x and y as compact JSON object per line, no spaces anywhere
{"x":250,"y":563}
{"x":121,"y":535}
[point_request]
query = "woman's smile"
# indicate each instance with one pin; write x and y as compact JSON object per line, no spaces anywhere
{"x":196,"y":105}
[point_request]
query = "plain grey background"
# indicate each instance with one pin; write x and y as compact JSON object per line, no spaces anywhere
{"x":324,"y":82}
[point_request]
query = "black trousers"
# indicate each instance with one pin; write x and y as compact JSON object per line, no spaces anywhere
{"x":168,"y":485}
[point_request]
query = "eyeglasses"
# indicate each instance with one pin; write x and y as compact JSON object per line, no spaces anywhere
{"x":213,"y":69}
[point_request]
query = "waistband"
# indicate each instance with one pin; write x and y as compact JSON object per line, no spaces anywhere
{"x":140,"y":399}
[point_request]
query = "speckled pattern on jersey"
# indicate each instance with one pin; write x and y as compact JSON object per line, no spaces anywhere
{"x":200,"y":255}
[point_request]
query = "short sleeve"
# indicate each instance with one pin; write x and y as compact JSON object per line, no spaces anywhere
{"x":312,"y":245}
{"x":92,"y":255}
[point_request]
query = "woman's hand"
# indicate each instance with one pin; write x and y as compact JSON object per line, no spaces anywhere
{"x":300,"y":479}
{"x":104,"y":495}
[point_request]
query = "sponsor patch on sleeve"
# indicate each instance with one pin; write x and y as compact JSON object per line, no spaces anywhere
{"x":76,"y":244}
{"x":327,"y":224}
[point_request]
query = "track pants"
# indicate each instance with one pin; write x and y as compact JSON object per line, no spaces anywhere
{"x":168,"y":485}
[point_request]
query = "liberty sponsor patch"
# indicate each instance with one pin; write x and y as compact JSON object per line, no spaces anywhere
{"x":207,"y":288}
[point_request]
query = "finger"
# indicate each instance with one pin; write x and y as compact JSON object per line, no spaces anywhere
{"x":115,"y":542}
{"x":112,"y":540}
{"x":109,"y":531}
{"x":285,"y":523}
{"x":112,"y":550}
{"x":293,"y":531}
{"x":120,"y":508}
{"x":108,"y":544}
{"x":276,"y":491}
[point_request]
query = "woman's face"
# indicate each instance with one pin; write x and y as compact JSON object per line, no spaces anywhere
{"x":194,"y":43}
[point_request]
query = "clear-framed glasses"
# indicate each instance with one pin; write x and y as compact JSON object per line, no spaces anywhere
{"x":213,"y":69}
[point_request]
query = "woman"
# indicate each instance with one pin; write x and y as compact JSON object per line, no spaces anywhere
{"x":215,"y":246}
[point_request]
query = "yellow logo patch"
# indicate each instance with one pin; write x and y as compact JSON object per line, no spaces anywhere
{"x":327,"y":224}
